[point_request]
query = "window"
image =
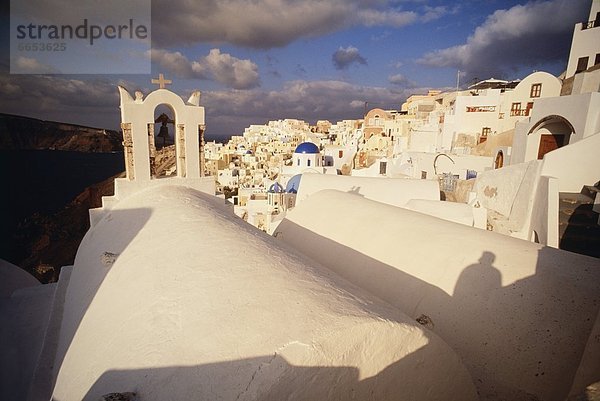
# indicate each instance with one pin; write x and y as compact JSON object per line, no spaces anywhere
{"x":582,"y":64}
{"x":597,"y":60}
{"x":536,"y":90}
{"x":382,"y":167}
{"x":308,"y":162}
{"x":340,"y":154}
{"x":485,"y":131}
{"x":515,"y":109}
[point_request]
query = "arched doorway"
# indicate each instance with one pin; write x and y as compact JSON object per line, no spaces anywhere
{"x":554,"y":132}
{"x":499,"y":162}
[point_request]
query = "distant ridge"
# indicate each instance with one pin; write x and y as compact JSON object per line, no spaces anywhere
{"x":26,"y":133}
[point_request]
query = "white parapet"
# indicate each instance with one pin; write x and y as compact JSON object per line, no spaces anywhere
{"x":392,"y":191}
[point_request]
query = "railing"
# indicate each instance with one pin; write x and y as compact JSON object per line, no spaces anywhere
{"x":590,"y":24}
{"x":519,"y":112}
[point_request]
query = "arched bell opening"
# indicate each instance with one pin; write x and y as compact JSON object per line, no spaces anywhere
{"x":162,"y":135}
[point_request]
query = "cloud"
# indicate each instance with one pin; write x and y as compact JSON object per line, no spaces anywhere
{"x":525,"y":35}
{"x":220,"y":67}
{"x":27,"y":65}
{"x":231,"y":71}
{"x":266,"y":24}
{"x":401,"y":81}
{"x":229,"y":112}
{"x":344,"y":57}
{"x":385,"y":18}
{"x":92,"y":102}
{"x":434,"y":13}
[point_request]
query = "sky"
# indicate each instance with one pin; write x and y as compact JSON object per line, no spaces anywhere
{"x":261,"y":60}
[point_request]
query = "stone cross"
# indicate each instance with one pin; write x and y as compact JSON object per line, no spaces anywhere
{"x":161,"y":81}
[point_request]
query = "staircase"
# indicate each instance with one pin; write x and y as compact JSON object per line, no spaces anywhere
{"x":579,"y":230}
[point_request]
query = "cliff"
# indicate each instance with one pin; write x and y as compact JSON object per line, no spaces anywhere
{"x":17,"y":132}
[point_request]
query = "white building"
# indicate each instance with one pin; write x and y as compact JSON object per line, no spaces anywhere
{"x":480,"y":115}
{"x":584,"y":48}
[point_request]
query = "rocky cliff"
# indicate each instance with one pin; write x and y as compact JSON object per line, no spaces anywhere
{"x":17,"y":132}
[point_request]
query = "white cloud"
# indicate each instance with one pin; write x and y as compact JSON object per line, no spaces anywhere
{"x":220,"y":67}
{"x":343,"y":57}
{"x":434,"y":13}
{"x":231,"y":71}
{"x":524,"y":35}
{"x":27,"y":65}
{"x":385,"y":18}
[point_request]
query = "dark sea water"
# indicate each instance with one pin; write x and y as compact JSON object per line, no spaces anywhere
{"x":45,"y":181}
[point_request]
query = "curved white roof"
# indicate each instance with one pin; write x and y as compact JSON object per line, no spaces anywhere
{"x":510,"y":308}
{"x":174,"y":298}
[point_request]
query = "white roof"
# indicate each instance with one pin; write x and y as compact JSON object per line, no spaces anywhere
{"x":174,"y":298}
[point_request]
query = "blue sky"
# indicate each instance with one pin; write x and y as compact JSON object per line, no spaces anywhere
{"x":256,"y":61}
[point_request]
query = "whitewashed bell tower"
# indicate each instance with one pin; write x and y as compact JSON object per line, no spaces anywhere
{"x":137,"y":123}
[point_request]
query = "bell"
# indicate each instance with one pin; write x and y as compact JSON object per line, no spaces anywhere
{"x":164,"y":132}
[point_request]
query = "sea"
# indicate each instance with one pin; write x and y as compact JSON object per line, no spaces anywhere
{"x":45,"y":181}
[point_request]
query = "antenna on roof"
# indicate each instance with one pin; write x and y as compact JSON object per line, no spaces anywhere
{"x":457,"y":80}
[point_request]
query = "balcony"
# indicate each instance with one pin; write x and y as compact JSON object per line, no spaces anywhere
{"x":519,"y":112}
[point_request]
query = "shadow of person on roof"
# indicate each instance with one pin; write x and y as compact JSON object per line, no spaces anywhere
{"x":477,"y":281}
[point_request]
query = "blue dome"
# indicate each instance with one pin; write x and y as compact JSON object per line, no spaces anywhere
{"x":248,"y":152}
{"x":307,"y":147}
{"x":276,"y":188}
{"x":293,"y":184}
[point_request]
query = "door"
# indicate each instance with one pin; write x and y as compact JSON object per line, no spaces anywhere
{"x":499,"y":162}
{"x":548,"y":143}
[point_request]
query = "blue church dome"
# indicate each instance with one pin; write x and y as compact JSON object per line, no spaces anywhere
{"x":293,"y":184}
{"x":307,"y":147}
{"x":276,"y":188}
